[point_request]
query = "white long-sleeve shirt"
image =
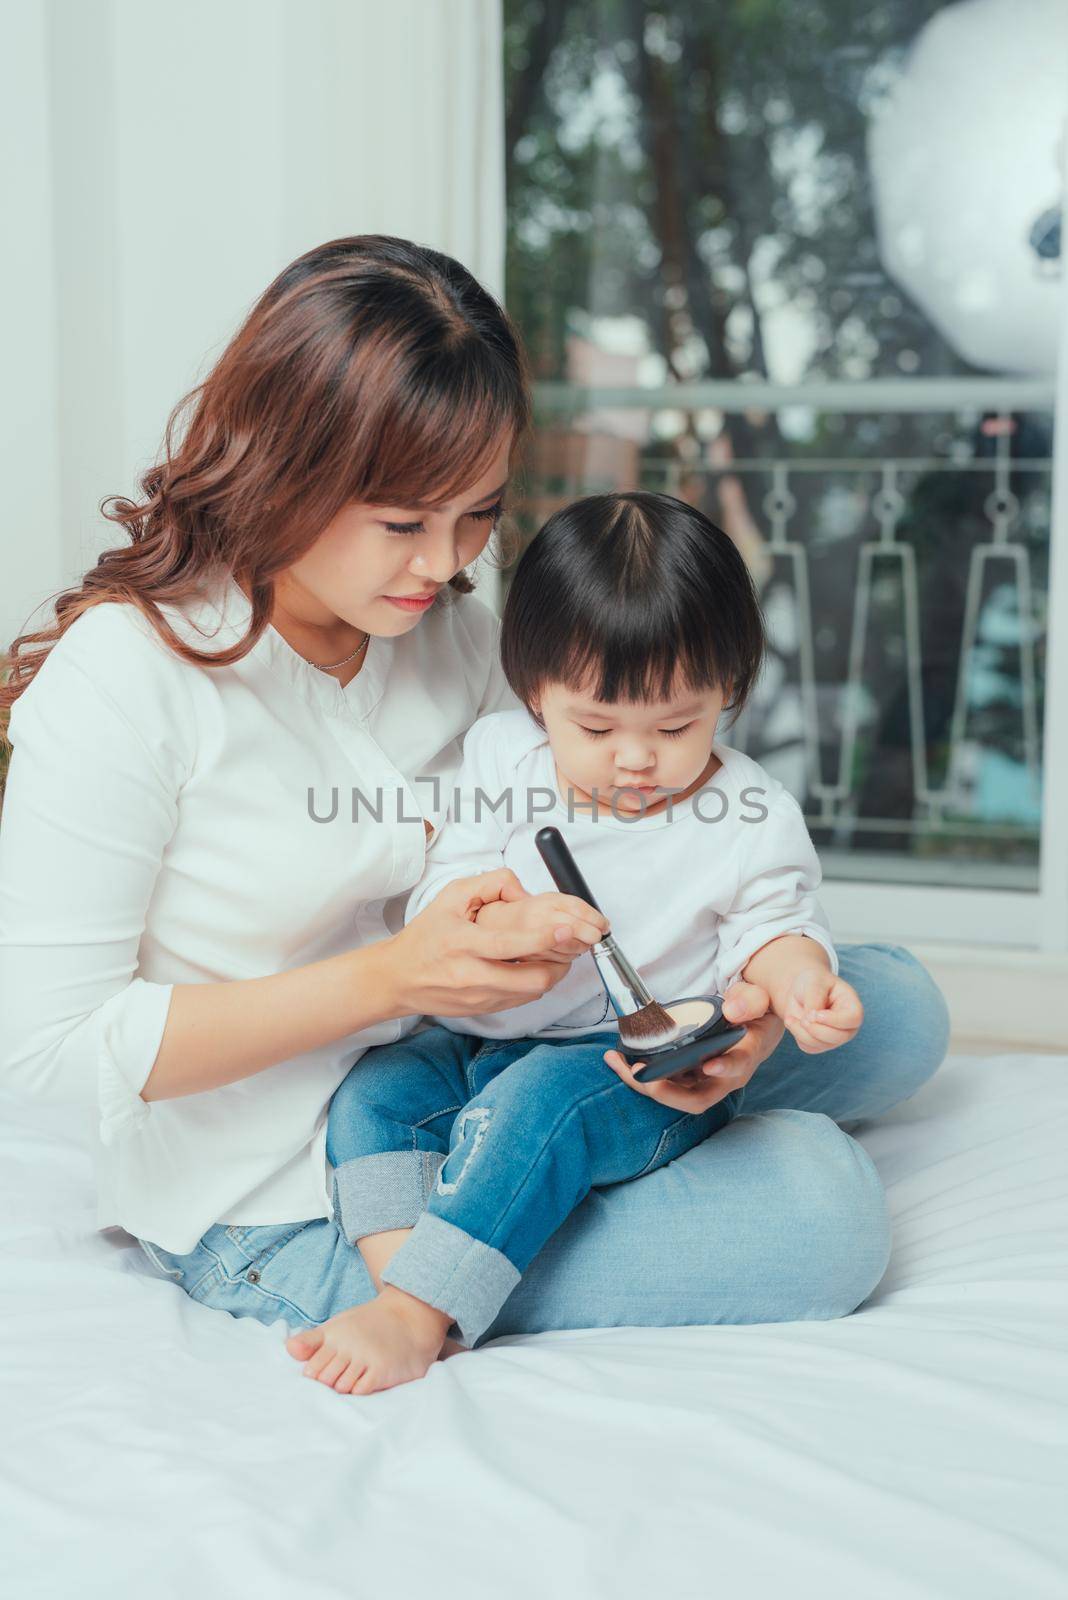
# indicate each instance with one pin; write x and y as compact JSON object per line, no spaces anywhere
{"x":158,"y":830}
{"x":691,"y":893}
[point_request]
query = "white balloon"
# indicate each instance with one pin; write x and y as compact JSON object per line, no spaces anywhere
{"x":966,"y":165}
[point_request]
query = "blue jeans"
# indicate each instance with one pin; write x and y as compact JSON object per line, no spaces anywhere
{"x":781,"y":1217}
{"x":483,"y":1148}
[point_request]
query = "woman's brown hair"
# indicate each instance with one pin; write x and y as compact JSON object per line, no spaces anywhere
{"x":372,"y":369}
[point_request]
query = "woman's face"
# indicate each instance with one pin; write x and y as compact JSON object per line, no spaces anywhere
{"x":371,"y":558}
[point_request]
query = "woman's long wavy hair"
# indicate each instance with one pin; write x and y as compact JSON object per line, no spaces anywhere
{"x":372,"y":369}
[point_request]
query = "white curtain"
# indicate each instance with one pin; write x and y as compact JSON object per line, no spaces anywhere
{"x":163,"y":160}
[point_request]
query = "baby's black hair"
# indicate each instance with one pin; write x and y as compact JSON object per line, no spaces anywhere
{"x":625,"y":591}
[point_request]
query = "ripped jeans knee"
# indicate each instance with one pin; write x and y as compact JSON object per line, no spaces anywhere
{"x":469,"y":1131}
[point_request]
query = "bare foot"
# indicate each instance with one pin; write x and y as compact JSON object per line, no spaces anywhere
{"x":387,"y":1341}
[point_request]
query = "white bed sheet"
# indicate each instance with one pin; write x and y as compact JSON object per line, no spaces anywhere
{"x":916,"y":1448}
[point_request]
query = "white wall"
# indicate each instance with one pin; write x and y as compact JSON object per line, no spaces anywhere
{"x":31,"y":551}
{"x":163,"y":161}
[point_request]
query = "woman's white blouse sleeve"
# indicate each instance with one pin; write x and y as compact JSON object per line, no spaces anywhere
{"x":78,"y":863}
{"x":472,"y":838}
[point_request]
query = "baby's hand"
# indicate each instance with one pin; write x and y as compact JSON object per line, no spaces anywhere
{"x":569,"y":925}
{"x":822,"y":1011}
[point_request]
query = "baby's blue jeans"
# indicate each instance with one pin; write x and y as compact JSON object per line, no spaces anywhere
{"x":780,"y":1217}
{"x":484,"y":1147}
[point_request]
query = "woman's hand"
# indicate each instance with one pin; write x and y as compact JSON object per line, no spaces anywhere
{"x":446,"y":963}
{"x":822,"y":1011}
{"x":568,"y":926}
{"x":718,"y":1077}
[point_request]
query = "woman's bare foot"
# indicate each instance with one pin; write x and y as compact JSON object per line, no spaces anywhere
{"x":387,"y":1341}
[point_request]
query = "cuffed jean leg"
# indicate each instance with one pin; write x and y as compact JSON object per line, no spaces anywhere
{"x":524,"y":1153}
{"x":900,"y":1045}
{"x":377,"y":1193}
{"x":388,"y":1129}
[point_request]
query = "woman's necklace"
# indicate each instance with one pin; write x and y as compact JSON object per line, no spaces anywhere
{"x":333,"y":668}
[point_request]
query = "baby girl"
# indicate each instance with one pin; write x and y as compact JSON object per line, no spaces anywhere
{"x":631,"y":627}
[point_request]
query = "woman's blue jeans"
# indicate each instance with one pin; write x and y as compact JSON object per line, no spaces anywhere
{"x":779,"y":1217}
{"x":484,"y":1147}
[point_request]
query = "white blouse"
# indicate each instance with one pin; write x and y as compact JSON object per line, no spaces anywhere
{"x":166,"y":824}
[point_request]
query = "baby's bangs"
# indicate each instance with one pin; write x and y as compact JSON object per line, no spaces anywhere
{"x":629,"y":664}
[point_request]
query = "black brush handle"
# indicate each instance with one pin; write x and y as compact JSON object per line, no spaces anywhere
{"x":561,"y":864}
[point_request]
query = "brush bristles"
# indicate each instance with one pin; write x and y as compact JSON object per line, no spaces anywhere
{"x":648,"y":1028}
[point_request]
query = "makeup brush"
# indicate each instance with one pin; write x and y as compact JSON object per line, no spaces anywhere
{"x":643,"y":1022}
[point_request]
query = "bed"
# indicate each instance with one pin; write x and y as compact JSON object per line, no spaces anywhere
{"x":917,"y":1448}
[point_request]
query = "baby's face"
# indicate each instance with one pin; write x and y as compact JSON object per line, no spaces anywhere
{"x":633,"y":754}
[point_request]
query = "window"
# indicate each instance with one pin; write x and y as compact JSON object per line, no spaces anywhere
{"x":800,"y":264}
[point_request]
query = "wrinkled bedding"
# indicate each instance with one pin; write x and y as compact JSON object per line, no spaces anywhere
{"x":916,"y":1448}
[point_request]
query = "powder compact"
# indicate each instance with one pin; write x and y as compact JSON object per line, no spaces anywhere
{"x":705,"y":1033}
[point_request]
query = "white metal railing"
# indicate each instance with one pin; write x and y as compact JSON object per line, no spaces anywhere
{"x":887,"y":506}
{"x":869,"y":394}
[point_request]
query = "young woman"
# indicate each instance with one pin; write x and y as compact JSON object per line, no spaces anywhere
{"x":228,"y":755}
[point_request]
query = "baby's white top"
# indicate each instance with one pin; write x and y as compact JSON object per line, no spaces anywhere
{"x":691,"y":894}
{"x":157,"y":831}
